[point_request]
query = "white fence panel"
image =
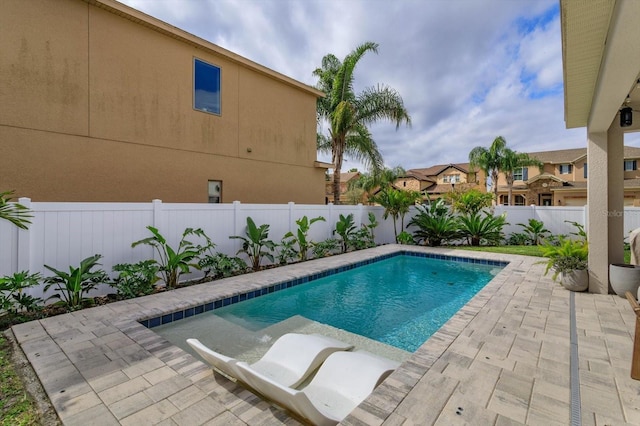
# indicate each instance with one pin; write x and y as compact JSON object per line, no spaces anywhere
{"x":8,"y":247}
{"x":631,"y":220}
{"x":556,"y":218}
{"x":514,"y":216}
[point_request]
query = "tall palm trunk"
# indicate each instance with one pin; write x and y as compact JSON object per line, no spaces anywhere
{"x":494,"y":183}
{"x":338,"y":152}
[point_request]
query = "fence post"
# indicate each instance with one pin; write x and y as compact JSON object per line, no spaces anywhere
{"x":157,"y":214}
{"x":533,"y":212}
{"x":236,"y":224}
{"x":330,"y":219}
{"x":360,"y":213}
{"x":24,"y":242}
{"x":292,"y":206}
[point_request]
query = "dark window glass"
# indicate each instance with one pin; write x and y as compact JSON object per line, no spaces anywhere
{"x":206,"y":87}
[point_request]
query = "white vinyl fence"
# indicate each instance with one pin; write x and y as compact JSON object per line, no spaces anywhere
{"x":62,"y":234}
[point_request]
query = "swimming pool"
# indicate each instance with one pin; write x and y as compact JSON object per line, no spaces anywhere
{"x":400,"y":301}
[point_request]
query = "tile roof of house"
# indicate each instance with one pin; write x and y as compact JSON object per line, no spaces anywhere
{"x":346,"y":177}
{"x":437,"y":169}
{"x":570,"y":155}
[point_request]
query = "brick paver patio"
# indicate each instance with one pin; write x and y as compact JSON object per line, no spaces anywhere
{"x":503,"y":359}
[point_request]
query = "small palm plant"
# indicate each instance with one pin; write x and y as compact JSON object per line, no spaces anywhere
{"x":488,"y":229}
{"x":346,"y":228}
{"x":256,"y":244}
{"x":72,"y":286}
{"x":436,"y":224}
{"x":15,"y":213}
{"x":175,"y":262}
{"x":535,"y":230}
{"x":301,"y":237}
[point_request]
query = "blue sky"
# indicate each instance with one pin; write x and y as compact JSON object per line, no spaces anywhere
{"x":468,"y":70}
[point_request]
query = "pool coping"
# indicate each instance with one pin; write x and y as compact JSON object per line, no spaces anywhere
{"x":102,"y":365}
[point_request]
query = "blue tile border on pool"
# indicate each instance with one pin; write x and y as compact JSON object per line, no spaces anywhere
{"x":216,"y":304}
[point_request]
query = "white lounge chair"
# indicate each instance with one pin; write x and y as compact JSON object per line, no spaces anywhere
{"x":340,"y":385}
{"x":289,"y":361}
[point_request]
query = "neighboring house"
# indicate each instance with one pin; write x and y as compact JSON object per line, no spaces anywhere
{"x":345,"y":178}
{"x":100,"y":102}
{"x":437,"y":180}
{"x":563,"y":180}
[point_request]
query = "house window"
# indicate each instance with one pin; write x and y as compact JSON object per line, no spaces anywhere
{"x":451,"y":178}
{"x":585,"y":170}
{"x":519,"y":200}
{"x":446,"y":178}
{"x":206,"y":87}
{"x":215,"y":191}
{"x":518,"y":174}
{"x":565,"y":169}
{"x":630,"y":165}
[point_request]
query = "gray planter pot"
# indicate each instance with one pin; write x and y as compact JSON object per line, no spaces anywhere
{"x":623,"y":278}
{"x":576,"y":280}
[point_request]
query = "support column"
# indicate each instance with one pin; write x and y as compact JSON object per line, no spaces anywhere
{"x":605,"y":194}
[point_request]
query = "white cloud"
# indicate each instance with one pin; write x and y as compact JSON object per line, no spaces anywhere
{"x":467,"y":70}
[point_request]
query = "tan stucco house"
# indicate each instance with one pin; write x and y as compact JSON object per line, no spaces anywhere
{"x":100,"y":102}
{"x":440,"y":179}
{"x":345,"y":180}
{"x":563,"y":179}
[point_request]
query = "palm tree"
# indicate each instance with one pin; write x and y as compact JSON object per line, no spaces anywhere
{"x":513,"y":160}
{"x":396,"y":204}
{"x":489,"y":161}
{"x":368,"y":183}
{"x":348,"y":114}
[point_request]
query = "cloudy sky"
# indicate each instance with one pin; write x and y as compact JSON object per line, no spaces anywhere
{"x":468,"y":70}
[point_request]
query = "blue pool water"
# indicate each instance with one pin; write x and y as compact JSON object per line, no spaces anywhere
{"x":400,"y":301}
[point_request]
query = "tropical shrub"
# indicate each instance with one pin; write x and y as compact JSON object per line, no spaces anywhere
{"x":256,"y":243}
{"x":220,"y":265}
{"x":346,"y":228}
{"x":535,"y":231}
{"x":175,"y":262}
{"x":396,"y":204}
{"x":135,"y":279}
{"x":301,"y":237}
{"x":568,"y":256}
{"x":405,"y":238}
{"x":72,"y":287}
{"x":286,"y":251}
{"x":12,"y":296}
{"x":325,"y":248}
{"x":436,"y":224}
{"x":486,"y":228}
{"x":470,"y":201}
{"x":518,"y":239}
{"x":370,"y":227}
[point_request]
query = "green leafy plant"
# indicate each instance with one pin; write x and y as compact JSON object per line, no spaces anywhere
{"x":405,"y":238}
{"x":370,"y":227}
{"x":325,"y":248}
{"x":568,"y":256}
{"x":15,"y":213}
{"x":518,"y":239}
{"x":535,"y":231}
{"x":175,"y":262}
{"x":286,"y":251}
{"x":12,"y":296}
{"x":345,"y":227}
{"x":301,"y":236}
{"x":135,"y":279}
{"x":396,"y":204}
{"x":470,"y":201}
{"x":580,"y":232}
{"x":256,"y":244}
{"x":72,"y":287}
{"x":436,"y":224}
{"x":486,"y":229}
{"x":220,"y":265}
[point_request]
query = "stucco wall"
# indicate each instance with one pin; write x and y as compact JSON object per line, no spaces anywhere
{"x":96,"y":107}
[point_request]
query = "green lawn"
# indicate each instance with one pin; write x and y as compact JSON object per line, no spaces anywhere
{"x":523,"y":250}
{"x":16,"y":407}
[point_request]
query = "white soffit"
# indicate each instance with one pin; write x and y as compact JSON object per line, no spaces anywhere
{"x":585,"y":24}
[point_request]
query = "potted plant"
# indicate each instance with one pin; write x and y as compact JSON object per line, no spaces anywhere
{"x":624,"y":277}
{"x":568,"y":260}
